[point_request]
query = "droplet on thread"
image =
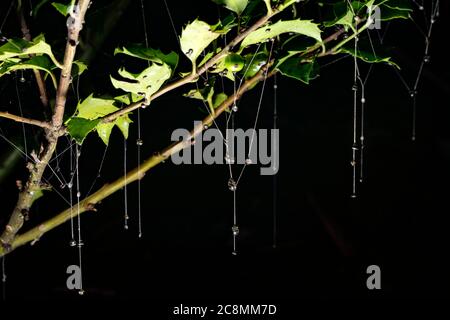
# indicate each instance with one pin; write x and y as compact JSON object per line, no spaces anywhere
{"x":229,"y":160}
{"x":235,"y":230}
{"x":232,"y":184}
{"x":139,"y":142}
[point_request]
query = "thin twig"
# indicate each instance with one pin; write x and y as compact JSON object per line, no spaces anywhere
{"x":37,"y":74}
{"x":33,"y":122}
{"x":34,"y":184}
{"x":193,"y":76}
{"x":88,"y":203}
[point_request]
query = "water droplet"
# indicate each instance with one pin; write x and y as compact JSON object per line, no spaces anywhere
{"x":81,"y":292}
{"x":355,"y":147}
{"x":235,"y":108}
{"x":248,"y":161}
{"x":125,"y":226}
{"x":229,"y":160}
{"x":426,"y":59}
{"x":363,"y":100}
{"x":235,"y":230}
{"x":412,"y":93}
{"x":232,"y":184}
{"x":139,"y":142}
{"x":78,"y":194}
{"x":353,"y":196}
{"x":234,"y":253}
{"x":70,"y":185}
{"x":420,"y":8}
{"x":22,"y":79}
{"x":205,"y":127}
{"x":275,"y":86}
{"x":72,"y":243}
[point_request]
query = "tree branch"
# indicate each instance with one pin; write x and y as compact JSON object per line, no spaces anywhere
{"x":193,"y":76}
{"x":37,"y":74}
{"x":9,"y":239}
{"x":33,"y":122}
{"x":74,"y":25}
{"x":88,"y":203}
{"x":33,"y":185}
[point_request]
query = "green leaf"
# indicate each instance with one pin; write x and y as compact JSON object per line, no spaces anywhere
{"x":294,"y":46}
{"x":234,"y":5}
{"x":42,"y":63}
{"x":20,"y":48}
{"x":123,"y":123}
{"x":219,"y":99}
{"x":254,"y":63}
{"x":226,"y":24}
{"x":343,"y":14}
{"x":391,"y":13}
{"x":268,"y":6}
{"x":128,"y":98}
{"x":78,"y":68}
{"x":399,"y":4}
{"x":62,"y":8}
{"x":294,"y":68}
{"x":145,"y":83}
{"x":149,"y":54}
{"x":104,"y":131}
{"x":205,"y":59}
{"x":367,"y":54}
{"x":228,"y":65}
{"x":93,"y":108}
{"x":79,"y":128}
{"x":304,"y":27}
{"x":87,"y":119}
{"x":195,"y":38}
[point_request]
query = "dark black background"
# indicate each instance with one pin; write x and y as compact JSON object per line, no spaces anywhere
{"x":326,"y":240}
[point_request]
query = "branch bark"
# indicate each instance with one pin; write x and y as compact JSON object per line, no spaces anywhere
{"x":9,"y":239}
{"x":34,"y":184}
{"x":193,"y":76}
{"x":33,"y":122}
{"x":88,"y":203}
{"x":37,"y":74}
